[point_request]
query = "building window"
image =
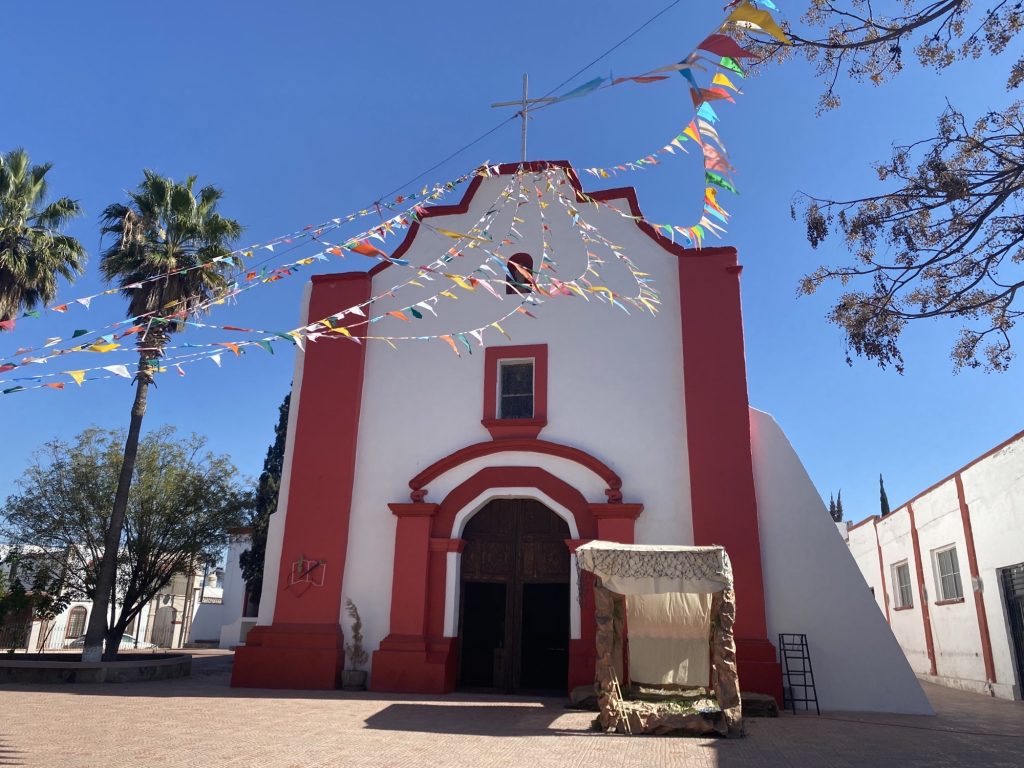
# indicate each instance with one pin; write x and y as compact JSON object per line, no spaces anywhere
{"x":76,"y":623}
{"x":904,"y":589}
{"x":516,"y":396}
{"x":947,"y":570}
{"x":519,"y":273}
{"x":515,"y":391}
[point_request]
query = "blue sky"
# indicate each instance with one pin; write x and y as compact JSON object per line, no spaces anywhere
{"x":306,"y":111}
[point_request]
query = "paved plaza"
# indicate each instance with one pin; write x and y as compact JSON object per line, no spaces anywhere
{"x":202,"y":722}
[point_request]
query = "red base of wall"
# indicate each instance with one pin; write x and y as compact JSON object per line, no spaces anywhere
{"x":759,"y":669}
{"x":301,"y":656}
{"x":412,"y":665}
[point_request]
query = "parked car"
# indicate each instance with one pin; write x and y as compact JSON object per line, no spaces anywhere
{"x":127,"y":643}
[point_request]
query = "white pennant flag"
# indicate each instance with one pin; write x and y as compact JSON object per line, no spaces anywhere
{"x":118,"y":370}
{"x":85,"y":301}
{"x":216,"y":359}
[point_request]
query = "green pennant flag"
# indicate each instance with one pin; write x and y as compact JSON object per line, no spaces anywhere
{"x":732,"y":65}
{"x":79,"y":332}
{"x":415,"y":313}
{"x":266,"y":345}
{"x":285,"y":336}
{"x":720,"y":181}
{"x":31,"y":313}
{"x":13,"y":389}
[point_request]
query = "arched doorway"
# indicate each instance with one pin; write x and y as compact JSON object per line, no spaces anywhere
{"x":514,"y":607}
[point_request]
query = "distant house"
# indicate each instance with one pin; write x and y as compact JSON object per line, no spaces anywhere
{"x":166,"y":621}
{"x":947,"y":571}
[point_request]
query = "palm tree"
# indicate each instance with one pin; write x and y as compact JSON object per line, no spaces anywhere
{"x":170,"y":256}
{"x":33,"y":252}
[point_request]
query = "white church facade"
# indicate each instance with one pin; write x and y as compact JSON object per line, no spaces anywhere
{"x":445,"y":496}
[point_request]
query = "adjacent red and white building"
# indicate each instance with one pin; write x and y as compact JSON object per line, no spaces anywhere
{"x":947,"y":572}
{"x":444,"y":496}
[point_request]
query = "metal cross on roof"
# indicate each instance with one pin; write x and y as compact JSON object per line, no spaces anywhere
{"x":524,"y":105}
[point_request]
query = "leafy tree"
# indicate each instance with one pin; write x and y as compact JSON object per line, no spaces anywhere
{"x":164,"y":231}
{"x":944,"y":237}
{"x":32,"y":587}
{"x":265,"y":505}
{"x":33,"y":251}
{"x":181,"y":503}
{"x":883,"y":500}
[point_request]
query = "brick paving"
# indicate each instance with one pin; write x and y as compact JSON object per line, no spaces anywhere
{"x":202,"y":722}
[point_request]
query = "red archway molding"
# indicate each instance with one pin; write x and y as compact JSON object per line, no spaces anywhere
{"x":529,"y":445}
{"x":416,"y":657}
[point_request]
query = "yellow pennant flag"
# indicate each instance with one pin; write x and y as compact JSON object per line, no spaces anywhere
{"x":103,"y":347}
{"x":458,"y":235}
{"x":763,"y":19}
{"x":721,"y":79}
{"x":459,"y":281}
{"x":343,"y":330}
{"x":450,"y":295}
{"x":77,"y":376}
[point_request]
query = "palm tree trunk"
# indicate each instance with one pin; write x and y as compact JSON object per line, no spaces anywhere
{"x":93,"y":647}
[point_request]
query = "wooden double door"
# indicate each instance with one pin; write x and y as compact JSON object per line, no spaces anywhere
{"x":514,"y":607}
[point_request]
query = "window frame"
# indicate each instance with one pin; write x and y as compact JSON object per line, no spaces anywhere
{"x":940,"y":589}
{"x":899,"y":603}
{"x":78,"y":610}
{"x":500,"y":395}
{"x":498,"y":427}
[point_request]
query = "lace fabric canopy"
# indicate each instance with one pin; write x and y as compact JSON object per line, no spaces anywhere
{"x":649,"y":569}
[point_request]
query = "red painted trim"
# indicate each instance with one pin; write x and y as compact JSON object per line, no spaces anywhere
{"x":412,"y":659}
{"x":925,"y":615}
{"x":504,"y":429}
{"x":865,"y":521}
{"x":322,"y":473}
{"x":627,"y":194}
{"x":979,"y":598}
{"x":419,"y":483}
{"x":881,"y":570}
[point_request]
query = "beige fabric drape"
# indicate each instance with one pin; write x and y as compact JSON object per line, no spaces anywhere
{"x":669,"y":638}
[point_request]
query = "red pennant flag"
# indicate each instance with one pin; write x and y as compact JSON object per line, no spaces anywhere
{"x":725,"y":46}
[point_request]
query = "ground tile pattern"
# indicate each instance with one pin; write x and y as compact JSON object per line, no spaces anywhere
{"x":202,"y":722}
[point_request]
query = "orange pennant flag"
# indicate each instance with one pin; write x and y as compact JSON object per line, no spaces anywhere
{"x":55,"y":385}
{"x":230,"y":345}
{"x":400,"y":315}
{"x":451,"y":343}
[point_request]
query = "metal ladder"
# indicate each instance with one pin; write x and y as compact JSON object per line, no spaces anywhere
{"x":797,"y":674}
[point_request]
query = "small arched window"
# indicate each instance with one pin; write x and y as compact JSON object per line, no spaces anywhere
{"x":76,"y":623}
{"x":516,"y":281}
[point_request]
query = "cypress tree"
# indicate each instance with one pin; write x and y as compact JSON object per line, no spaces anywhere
{"x":838,"y":516}
{"x":882,"y":498}
{"x":832,"y":506}
{"x":266,"y":503}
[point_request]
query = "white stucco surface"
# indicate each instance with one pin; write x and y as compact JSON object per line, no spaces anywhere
{"x":234,"y":593}
{"x":421,"y":403}
{"x":275,"y":528}
{"x":993,"y":488}
{"x":812,"y":586}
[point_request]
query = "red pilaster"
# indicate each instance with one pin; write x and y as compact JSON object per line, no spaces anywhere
{"x":979,"y":598}
{"x":926,"y":616}
{"x":303,"y":647}
{"x":721,"y":471}
{"x":616,"y":522}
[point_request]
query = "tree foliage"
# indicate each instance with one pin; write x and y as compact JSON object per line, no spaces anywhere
{"x":170,"y":255}
{"x":945,"y":237}
{"x":33,"y":250}
{"x":265,"y":504}
{"x":883,"y":499}
{"x":182,"y":501}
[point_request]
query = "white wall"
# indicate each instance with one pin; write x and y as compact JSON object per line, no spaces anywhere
{"x":992,"y":489}
{"x":813,"y":586}
{"x":234,"y":592}
{"x":864,"y":548}
{"x":994,"y":492}
{"x":614,"y":386}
